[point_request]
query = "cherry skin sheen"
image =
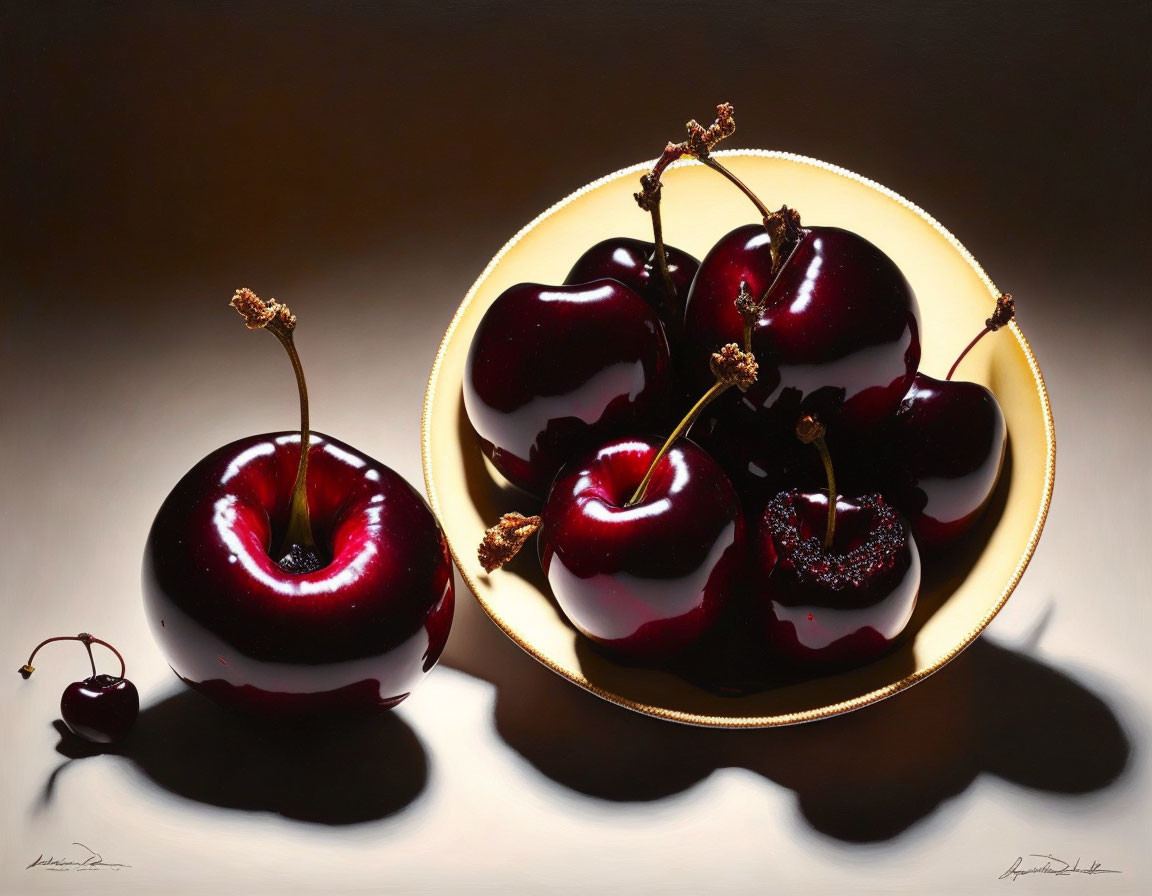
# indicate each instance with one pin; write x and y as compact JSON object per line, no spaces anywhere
{"x":636,"y":264}
{"x":641,"y":541}
{"x":101,"y":708}
{"x":554,"y":370}
{"x":839,"y":335}
{"x":644,"y":580}
{"x":280,"y":594}
{"x":358,"y":633}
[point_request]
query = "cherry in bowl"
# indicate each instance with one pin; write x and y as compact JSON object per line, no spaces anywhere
{"x":834,"y":580}
{"x":641,"y":541}
{"x":554,"y":370}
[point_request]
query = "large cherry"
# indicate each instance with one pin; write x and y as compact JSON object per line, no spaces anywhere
{"x":839,"y":331}
{"x":290,"y":574}
{"x":946,"y":446}
{"x":834,"y":581}
{"x":555,"y":370}
{"x":640,"y":541}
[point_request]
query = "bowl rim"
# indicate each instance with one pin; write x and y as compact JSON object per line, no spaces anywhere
{"x":712,"y":721}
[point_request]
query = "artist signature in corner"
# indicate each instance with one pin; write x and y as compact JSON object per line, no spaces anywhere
{"x":91,"y":862}
{"x":1053,"y":865}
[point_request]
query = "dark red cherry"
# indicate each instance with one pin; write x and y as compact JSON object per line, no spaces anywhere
{"x":555,"y":370}
{"x":946,"y":448}
{"x":839,"y":334}
{"x":647,"y":580}
{"x":101,"y":709}
{"x":633,"y":263}
{"x":838,"y":606}
{"x":238,"y":623}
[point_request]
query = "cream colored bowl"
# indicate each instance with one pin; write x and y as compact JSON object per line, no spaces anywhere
{"x":958,"y":598}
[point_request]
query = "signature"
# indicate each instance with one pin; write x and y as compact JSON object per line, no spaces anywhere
{"x":1053,"y":865}
{"x":93,"y":860}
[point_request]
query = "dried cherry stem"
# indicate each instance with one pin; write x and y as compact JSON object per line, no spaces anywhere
{"x":750,"y":310}
{"x":811,"y":431}
{"x":84,"y":638}
{"x":1005,"y":311}
{"x":649,"y":200}
{"x":731,"y":367}
{"x":279,"y":320}
{"x":783,"y":226}
{"x":503,"y":541}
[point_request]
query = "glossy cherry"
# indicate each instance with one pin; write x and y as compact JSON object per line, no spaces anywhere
{"x":642,"y":580}
{"x":554,"y":370}
{"x":838,"y":327}
{"x":635,"y":264}
{"x":839,"y":334}
{"x":346,"y":613}
{"x":834,"y":581}
{"x":641,"y":542}
{"x":101,"y":708}
{"x":946,"y":446}
{"x":839,"y":606}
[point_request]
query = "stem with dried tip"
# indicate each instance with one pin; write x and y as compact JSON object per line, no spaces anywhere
{"x":84,"y":638}
{"x":731,"y":367}
{"x":279,"y":320}
{"x":1005,"y":311}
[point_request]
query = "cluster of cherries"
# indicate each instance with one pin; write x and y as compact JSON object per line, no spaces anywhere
{"x":287,"y":575}
{"x":646,"y":542}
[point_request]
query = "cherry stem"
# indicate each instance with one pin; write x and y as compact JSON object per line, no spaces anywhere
{"x":680,"y":429}
{"x":1004,"y":312}
{"x":765,"y":212}
{"x":782,"y":226}
{"x":84,"y":638}
{"x":731,"y":367}
{"x":811,"y":431}
{"x":281,"y":322}
{"x":670,"y":296}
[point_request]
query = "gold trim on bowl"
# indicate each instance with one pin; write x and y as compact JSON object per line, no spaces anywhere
{"x":929,"y":255}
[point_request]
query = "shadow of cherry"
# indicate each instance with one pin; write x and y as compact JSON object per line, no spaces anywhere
{"x":862,"y":777}
{"x":353,"y":771}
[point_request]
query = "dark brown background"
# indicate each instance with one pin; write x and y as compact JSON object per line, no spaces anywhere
{"x":363,"y":161}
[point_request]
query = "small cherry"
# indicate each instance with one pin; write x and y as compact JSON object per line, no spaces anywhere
{"x":101,"y":708}
{"x":839,"y":334}
{"x":640,"y":541}
{"x":946,"y":446}
{"x":555,"y":370}
{"x":835,"y":580}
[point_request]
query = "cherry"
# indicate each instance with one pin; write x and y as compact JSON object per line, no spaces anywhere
{"x":554,"y":370}
{"x":640,"y":542}
{"x":946,"y":447}
{"x":841,"y":599}
{"x":101,"y":708}
{"x":838,"y":329}
{"x":636,"y":264}
{"x":291,"y":574}
{"x":839,"y":335}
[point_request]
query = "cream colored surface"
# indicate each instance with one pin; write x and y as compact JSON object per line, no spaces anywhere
{"x":955,"y":296}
